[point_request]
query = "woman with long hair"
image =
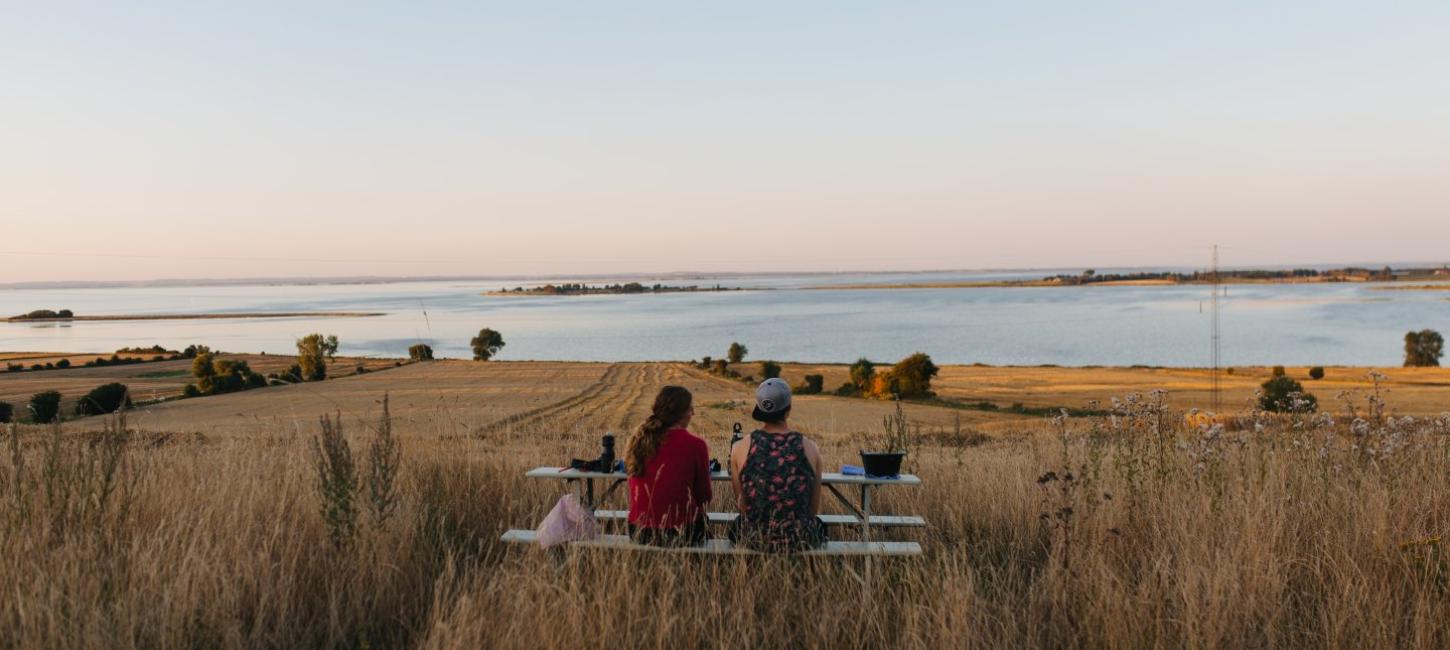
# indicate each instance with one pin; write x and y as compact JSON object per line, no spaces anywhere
{"x":669,"y":474}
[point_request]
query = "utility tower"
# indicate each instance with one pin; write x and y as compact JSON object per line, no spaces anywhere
{"x":1214,"y":382}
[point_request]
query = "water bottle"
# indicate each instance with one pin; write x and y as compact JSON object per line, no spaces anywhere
{"x":606,"y":455}
{"x":735,"y":436}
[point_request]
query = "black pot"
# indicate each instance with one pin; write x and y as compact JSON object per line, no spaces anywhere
{"x":882,"y":464}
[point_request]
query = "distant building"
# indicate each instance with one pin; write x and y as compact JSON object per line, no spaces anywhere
{"x":1444,"y":270}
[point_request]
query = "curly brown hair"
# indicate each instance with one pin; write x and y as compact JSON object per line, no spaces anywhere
{"x":671,"y":406}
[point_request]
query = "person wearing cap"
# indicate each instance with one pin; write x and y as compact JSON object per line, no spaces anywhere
{"x":776,"y":473}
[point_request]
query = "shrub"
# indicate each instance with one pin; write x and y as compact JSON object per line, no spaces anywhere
{"x":769,"y":370}
{"x":104,"y":399}
{"x":1316,"y":373}
{"x":486,"y":344}
{"x":1423,"y":349}
{"x":1278,"y":371}
{"x":848,"y":389}
{"x":862,"y":372}
{"x":813,"y":385}
{"x":14,"y":367}
{"x":737,"y":353}
{"x":45,"y":407}
{"x":191,"y":391}
{"x":7,"y":412}
{"x":721,"y":367}
{"x":420,"y":352}
{"x":63,"y":363}
{"x":1282,"y":394}
{"x":705,"y":363}
{"x":37,"y":366}
{"x":913,"y":376}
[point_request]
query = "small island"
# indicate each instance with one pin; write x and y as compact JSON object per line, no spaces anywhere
{"x":578,"y":289}
{"x":46,"y":315}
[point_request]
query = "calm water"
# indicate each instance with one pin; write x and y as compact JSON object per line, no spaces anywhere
{"x":1289,"y":324}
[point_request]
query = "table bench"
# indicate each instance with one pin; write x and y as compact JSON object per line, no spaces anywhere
{"x":859,"y":516}
{"x":877,"y":521}
{"x":834,"y":482}
{"x":725,"y":546}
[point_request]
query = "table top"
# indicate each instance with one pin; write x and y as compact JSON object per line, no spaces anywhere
{"x":836,"y":478}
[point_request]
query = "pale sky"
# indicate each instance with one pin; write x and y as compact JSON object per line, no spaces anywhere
{"x":267,"y":139}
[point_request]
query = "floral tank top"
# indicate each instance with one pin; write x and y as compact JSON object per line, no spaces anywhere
{"x":776,"y":486}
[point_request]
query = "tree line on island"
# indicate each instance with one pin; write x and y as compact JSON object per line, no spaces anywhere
{"x":1347,"y":274}
{"x":579,"y":289}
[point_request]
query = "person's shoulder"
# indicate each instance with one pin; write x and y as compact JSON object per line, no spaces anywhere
{"x":807,"y":442}
{"x":684,"y":436}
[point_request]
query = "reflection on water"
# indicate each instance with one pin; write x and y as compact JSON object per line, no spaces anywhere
{"x":1154,"y":325}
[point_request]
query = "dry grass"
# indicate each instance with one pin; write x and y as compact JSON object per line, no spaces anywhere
{"x":1312,"y":532}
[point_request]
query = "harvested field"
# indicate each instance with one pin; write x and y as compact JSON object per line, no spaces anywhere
{"x":1134,"y":532}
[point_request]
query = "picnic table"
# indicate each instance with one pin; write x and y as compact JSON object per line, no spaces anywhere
{"x":586,"y":483}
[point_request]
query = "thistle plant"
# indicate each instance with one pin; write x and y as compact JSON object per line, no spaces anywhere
{"x":383,"y":460}
{"x":337,"y":483}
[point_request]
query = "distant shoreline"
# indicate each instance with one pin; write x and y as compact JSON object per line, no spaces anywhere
{"x":121,"y":317}
{"x":1033,"y":284}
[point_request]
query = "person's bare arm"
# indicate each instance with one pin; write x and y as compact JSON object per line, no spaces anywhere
{"x":738,"y":453}
{"x":813,"y":455}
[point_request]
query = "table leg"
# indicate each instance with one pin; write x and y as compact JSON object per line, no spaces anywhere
{"x":589,"y":500}
{"x":866,"y":529}
{"x":865,"y":513}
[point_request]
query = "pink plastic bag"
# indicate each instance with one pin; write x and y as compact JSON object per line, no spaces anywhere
{"x":569,"y":521}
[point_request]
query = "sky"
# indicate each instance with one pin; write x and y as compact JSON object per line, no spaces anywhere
{"x":214,"y":140}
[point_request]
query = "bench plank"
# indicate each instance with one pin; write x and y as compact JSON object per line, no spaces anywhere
{"x":827,"y":477}
{"x":725,"y":547}
{"x":885,"y":521}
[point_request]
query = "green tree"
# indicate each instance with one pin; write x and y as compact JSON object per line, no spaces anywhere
{"x":1284,"y":395}
{"x":1423,"y":349}
{"x":104,"y":399}
{"x":1278,"y":371}
{"x":201,"y":362}
{"x":313,"y":353}
{"x":1316,"y":373}
{"x":420,"y":352}
{"x":45,"y":407}
{"x":7,"y":412}
{"x":486,"y":344}
{"x":862,"y":372}
{"x":913,"y":375}
{"x":737,"y":353}
{"x":769,"y":370}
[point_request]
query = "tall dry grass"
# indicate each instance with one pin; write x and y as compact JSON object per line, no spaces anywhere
{"x":1129,"y":531}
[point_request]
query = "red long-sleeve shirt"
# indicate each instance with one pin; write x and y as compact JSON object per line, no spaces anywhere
{"x":676,"y":483}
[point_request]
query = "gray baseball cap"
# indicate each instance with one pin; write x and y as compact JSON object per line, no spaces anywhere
{"x":772,"y":398}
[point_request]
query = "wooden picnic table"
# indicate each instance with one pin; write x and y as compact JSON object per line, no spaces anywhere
{"x":584,"y":482}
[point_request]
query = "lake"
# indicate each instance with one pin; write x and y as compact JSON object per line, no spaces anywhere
{"x":1327,"y":324}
